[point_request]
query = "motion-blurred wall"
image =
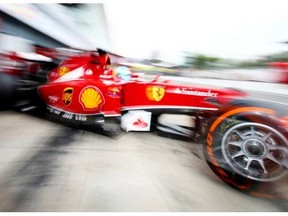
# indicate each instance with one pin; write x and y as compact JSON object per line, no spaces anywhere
{"x":57,"y":25}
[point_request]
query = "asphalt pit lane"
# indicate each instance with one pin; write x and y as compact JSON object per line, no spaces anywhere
{"x":21,"y":185}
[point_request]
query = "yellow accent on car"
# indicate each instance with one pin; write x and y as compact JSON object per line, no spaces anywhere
{"x":91,"y":98}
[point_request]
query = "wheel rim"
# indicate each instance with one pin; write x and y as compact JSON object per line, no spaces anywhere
{"x":255,"y":151}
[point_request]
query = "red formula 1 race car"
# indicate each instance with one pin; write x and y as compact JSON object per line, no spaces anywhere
{"x":244,"y":141}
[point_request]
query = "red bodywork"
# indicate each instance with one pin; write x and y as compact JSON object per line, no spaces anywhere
{"x":283,"y":68}
{"x":14,"y":65}
{"x":84,"y":85}
{"x":20,"y":65}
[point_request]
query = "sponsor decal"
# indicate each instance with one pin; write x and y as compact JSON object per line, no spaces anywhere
{"x":63,"y":70}
{"x":140,"y":123}
{"x":136,"y":121}
{"x":155,"y":93}
{"x":53,"y":99}
{"x":82,"y":118}
{"x":66,"y":115}
{"x":191,"y":91}
{"x":106,"y":76}
{"x":54,"y":111}
{"x":91,"y":98}
{"x":67,"y":96}
{"x":114,"y":92}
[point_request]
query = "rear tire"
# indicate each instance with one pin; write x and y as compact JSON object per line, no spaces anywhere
{"x":7,"y":91}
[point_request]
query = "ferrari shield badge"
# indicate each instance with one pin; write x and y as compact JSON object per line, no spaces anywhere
{"x":91,"y":98}
{"x":155,"y":93}
{"x":63,"y":70}
{"x":67,"y":96}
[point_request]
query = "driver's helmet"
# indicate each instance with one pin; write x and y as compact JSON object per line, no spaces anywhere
{"x":123,"y":73}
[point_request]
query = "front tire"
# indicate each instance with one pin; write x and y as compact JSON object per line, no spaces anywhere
{"x":243,"y":152}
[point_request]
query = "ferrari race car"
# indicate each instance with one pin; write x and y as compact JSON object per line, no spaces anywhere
{"x":244,"y":141}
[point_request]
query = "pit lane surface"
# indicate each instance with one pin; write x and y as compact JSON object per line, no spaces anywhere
{"x":48,"y":167}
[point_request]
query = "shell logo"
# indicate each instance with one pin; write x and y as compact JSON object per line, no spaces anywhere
{"x":91,"y":98}
{"x":155,"y":93}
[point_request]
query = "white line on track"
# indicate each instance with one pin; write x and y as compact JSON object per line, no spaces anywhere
{"x":269,"y":100}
